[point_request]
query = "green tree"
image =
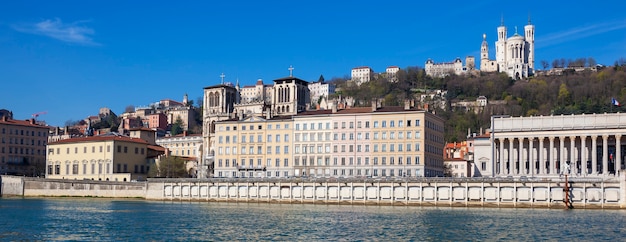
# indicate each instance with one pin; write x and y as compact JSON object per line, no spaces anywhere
{"x":170,"y":167}
{"x":177,"y":127}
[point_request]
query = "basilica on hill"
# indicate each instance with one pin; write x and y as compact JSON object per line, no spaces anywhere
{"x":515,"y":55}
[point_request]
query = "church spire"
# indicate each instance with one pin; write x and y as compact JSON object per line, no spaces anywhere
{"x":502,"y":20}
{"x":529,"y":18}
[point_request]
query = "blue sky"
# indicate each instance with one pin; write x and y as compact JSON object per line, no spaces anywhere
{"x":69,"y":58}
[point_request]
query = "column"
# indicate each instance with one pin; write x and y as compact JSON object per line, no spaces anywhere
{"x":510,"y":170}
{"x":618,"y":153}
{"x":550,"y":153}
{"x":531,"y":158}
{"x":584,"y":155}
{"x":542,"y":162}
{"x":501,"y":157}
{"x":594,"y":155}
{"x":520,"y":158}
{"x":561,"y":153}
{"x":605,"y":156}
{"x":572,"y":159}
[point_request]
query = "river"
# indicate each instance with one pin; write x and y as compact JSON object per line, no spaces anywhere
{"x":95,"y":219}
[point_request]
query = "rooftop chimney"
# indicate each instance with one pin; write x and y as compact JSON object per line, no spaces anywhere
{"x":374,"y":104}
{"x":334,"y":106}
{"x":407,"y":104}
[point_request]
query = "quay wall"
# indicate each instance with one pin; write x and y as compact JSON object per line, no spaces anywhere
{"x":424,"y":192}
{"x":548,"y":193}
{"x":38,"y":187}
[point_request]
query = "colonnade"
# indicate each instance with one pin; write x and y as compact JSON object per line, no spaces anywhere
{"x":582,"y":155}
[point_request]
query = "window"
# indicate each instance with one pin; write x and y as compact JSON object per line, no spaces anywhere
{"x":269,"y":150}
{"x":384,"y":124}
{"x":408,"y":123}
{"x":343,"y":125}
{"x":392,"y":124}
{"x":375,"y":124}
{"x":278,"y":138}
{"x":286,"y":149}
{"x":286,"y":139}
{"x":297,"y":127}
{"x":343,"y":136}
{"x":351,"y":125}
{"x":269,"y":138}
{"x":277,"y":149}
{"x":358,"y":124}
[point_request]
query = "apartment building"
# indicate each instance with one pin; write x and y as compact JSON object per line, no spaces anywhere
{"x":376,"y":142}
{"x":22,"y":147}
{"x":106,"y":158}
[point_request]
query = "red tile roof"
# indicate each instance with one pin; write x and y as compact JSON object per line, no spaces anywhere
{"x":21,"y":123}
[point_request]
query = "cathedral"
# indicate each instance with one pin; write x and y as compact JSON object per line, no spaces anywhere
{"x":515,"y":55}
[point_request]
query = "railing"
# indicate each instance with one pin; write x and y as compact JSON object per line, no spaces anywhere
{"x":382,"y":179}
{"x":251,"y":168}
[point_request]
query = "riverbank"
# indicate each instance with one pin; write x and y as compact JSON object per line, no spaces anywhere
{"x":539,"y":193}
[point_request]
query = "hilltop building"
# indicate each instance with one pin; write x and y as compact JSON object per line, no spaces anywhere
{"x":444,"y":69}
{"x":515,"y":55}
{"x":360,"y":75}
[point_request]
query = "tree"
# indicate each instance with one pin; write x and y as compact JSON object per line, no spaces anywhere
{"x":170,"y":167}
{"x":177,"y":127}
{"x":545,"y":64}
{"x":70,"y":122}
{"x":129,"y":109}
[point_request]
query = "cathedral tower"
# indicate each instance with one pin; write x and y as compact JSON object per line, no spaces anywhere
{"x":501,"y":44}
{"x":529,"y":34}
{"x":484,"y":49}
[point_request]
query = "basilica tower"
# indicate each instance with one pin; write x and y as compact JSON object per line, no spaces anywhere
{"x":501,"y":44}
{"x":529,"y":35}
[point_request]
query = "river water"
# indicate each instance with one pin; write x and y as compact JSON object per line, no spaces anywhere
{"x":93,"y":219}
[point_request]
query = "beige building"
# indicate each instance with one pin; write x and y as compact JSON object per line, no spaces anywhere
{"x":376,"y":141}
{"x":22,"y":147}
{"x":106,"y":158}
{"x":187,"y":146}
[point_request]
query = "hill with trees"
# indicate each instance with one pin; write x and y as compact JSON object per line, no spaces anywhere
{"x":572,"y":92}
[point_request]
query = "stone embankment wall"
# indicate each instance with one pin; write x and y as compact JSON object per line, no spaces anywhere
{"x":550,"y":193}
{"x":38,"y":187}
{"x":588,"y":193}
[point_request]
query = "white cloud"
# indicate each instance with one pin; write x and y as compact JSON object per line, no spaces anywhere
{"x":580,"y":32}
{"x":55,"y":28}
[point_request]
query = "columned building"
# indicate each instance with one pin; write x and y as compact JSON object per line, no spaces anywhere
{"x":588,"y":145}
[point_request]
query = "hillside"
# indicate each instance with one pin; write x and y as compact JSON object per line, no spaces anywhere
{"x":569,"y":93}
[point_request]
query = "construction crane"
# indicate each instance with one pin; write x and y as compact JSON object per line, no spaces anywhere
{"x":35,"y":115}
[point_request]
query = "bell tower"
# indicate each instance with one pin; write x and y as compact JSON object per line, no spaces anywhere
{"x":529,"y":35}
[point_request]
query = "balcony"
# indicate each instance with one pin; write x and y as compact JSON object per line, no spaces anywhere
{"x":251,"y":168}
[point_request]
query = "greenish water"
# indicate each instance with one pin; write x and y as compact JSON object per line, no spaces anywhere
{"x":139,"y":220}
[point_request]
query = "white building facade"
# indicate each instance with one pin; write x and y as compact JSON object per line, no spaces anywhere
{"x":515,"y":55}
{"x":588,"y":145}
{"x":320,"y":89}
{"x":361,"y":75}
{"x":444,"y":69}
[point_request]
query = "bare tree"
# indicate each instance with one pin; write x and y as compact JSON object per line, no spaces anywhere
{"x":591,"y":62}
{"x":545,"y":64}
